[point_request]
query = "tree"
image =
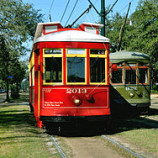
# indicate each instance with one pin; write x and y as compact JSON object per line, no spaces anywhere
{"x":17,"y":70}
{"x":113,"y":26}
{"x":144,"y":32}
{"x":17,"y":25}
{"x":141,"y":36}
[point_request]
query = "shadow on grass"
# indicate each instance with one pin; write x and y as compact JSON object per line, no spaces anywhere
{"x":122,"y":125}
{"x":153,"y":111}
{"x":15,"y":116}
{"x":17,"y":125}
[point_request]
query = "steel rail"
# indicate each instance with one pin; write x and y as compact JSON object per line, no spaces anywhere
{"x":121,"y":146}
{"x":58,"y":147}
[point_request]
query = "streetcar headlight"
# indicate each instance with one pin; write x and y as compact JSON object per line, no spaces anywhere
{"x":131,"y":94}
{"x":77,"y":101}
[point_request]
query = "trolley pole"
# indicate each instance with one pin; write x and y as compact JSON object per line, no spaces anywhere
{"x":102,"y":14}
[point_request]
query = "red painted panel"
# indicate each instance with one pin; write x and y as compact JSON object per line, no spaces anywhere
{"x":36,"y":87}
{"x":72,"y":45}
{"x":59,"y":101}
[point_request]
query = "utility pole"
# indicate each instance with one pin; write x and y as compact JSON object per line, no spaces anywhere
{"x":102,"y":14}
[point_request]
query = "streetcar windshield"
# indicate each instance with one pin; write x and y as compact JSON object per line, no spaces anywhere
{"x":97,"y":69}
{"x":76,"y":69}
{"x":143,"y":72}
{"x":131,"y":73}
{"x":117,"y":76}
{"x":53,"y":69}
{"x":130,"y":77}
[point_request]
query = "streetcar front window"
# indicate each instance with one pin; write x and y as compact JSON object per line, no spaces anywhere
{"x":53,"y":69}
{"x":76,"y":69}
{"x":97,"y":69}
{"x":117,"y":76}
{"x":143,"y":72}
{"x":130,"y":77}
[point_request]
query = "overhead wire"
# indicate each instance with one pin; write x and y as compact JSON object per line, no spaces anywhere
{"x":86,"y":16}
{"x":72,"y":12}
{"x":87,"y":10}
{"x":65,"y":10}
{"x":50,"y":10}
{"x":126,"y":6}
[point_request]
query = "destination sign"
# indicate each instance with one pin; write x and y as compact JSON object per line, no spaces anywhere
{"x":52,"y":51}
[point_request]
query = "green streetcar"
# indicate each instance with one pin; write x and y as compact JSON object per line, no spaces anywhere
{"x":130,"y":82}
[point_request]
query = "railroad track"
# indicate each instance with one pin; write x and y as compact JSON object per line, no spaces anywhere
{"x":62,"y":154}
{"x":121,"y":146}
{"x":57,"y":146}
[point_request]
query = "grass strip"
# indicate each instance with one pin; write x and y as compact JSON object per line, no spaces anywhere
{"x":20,"y":138}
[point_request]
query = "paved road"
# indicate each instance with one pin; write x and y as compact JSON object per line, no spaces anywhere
{"x":90,"y":147}
{"x":2,"y":97}
{"x":154,"y":101}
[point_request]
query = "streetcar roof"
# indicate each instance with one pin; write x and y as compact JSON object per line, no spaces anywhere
{"x":68,"y":35}
{"x":72,"y":36}
{"x":129,"y":56}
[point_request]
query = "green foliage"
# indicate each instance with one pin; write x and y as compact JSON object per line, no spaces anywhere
{"x":142,"y":35}
{"x":17,"y":25}
{"x":113,"y":26}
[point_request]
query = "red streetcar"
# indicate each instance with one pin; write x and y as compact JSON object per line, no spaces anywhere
{"x":69,"y":74}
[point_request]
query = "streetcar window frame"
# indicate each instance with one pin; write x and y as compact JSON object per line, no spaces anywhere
{"x":52,"y":55}
{"x":76,"y":53}
{"x":98,"y":56}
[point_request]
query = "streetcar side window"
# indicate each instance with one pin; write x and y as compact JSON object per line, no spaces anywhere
{"x":53,"y":69}
{"x":33,"y":76}
{"x":75,"y":69}
{"x":143,"y":75}
{"x":97,"y":70}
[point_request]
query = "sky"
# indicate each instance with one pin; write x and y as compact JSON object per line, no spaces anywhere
{"x":57,"y":7}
